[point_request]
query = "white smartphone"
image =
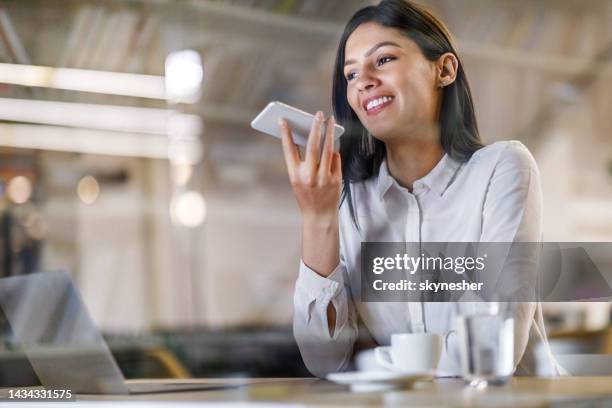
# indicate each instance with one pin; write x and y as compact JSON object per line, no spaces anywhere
{"x":299,"y":122}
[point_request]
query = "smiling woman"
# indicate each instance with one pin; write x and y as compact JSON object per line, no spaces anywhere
{"x":411,"y":168}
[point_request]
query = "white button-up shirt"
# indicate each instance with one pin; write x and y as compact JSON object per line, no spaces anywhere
{"x":493,"y":197}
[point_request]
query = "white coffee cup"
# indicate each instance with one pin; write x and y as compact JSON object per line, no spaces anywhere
{"x":411,"y":352}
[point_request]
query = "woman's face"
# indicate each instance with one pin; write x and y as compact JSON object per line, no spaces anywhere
{"x":391,"y":86}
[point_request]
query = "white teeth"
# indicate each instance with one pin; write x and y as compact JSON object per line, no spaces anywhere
{"x":376,"y":102}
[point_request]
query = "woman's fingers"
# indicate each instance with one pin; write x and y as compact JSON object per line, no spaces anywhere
{"x":314,"y":141}
{"x":328,"y":148}
{"x":290,"y":149}
{"x":309,"y":172}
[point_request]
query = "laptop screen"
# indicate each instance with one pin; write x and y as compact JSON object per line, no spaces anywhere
{"x":51,"y":325}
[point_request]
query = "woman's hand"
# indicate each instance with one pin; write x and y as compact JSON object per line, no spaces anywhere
{"x":316,"y":184}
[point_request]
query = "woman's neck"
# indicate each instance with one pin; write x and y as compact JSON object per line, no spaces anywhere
{"x":410,"y":160}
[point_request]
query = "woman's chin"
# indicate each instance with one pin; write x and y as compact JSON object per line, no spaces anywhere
{"x":384,"y":135}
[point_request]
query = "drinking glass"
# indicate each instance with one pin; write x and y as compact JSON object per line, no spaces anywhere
{"x":486,"y":341}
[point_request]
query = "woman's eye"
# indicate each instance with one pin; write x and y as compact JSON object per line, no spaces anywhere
{"x":384,"y":60}
{"x":350,"y":76}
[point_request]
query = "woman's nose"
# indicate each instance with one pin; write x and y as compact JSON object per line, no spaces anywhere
{"x":366,"y":81}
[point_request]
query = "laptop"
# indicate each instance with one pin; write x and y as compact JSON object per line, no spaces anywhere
{"x":53,"y":327}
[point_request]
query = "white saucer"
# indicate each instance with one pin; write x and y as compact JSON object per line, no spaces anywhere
{"x":362,"y":381}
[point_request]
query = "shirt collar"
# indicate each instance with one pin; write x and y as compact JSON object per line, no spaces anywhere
{"x":438,"y":179}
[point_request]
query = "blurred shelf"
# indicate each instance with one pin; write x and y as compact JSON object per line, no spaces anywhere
{"x":593,"y":215}
{"x":259,"y":22}
{"x":90,"y":141}
{"x":592,"y":228}
{"x":535,"y":60}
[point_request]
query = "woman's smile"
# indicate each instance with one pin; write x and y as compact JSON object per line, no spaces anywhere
{"x":374,"y":105}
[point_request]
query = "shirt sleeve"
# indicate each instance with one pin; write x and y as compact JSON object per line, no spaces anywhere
{"x":512,"y":213}
{"x":512,"y":210}
{"x":323,"y":353}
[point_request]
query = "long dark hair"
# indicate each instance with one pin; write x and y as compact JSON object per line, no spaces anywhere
{"x":459,"y":137}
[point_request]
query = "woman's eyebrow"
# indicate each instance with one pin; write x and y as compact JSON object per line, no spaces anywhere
{"x":371,"y":50}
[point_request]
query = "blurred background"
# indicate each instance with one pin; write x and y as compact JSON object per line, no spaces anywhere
{"x":127,"y":160}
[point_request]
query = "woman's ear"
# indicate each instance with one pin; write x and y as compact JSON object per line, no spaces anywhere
{"x":447,"y":67}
